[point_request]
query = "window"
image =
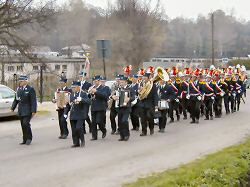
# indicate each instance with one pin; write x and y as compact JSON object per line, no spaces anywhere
{"x":57,"y":67}
{"x":10,"y":68}
{"x":64,"y":67}
{"x":172,"y":60}
{"x":6,"y":93}
{"x":35,"y":68}
{"x":19,"y":68}
{"x":165,"y":61}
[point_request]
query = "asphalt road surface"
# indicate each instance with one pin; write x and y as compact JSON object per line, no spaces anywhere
{"x":107,"y":162}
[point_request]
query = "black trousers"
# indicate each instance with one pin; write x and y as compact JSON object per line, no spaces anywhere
{"x":123,"y":115}
{"x":77,"y":131}
{"x":208,"y":102}
{"x":218,"y":106}
{"x":147,"y":119}
{"x":238,"y":97}
{"x":112,"y":116}
{"x":135,"y":117}
{"x":226,"y":103}
{"x":194,"y":108}
{"x":173,"y":106}
{"x":163,"y":119}
{"x":26,"y":129}
{"x":62,"y":123}
{"x":232,"y":100}
{"x":98,"y":118}
{"x":184,"y":104}
{"x":89,"y":123}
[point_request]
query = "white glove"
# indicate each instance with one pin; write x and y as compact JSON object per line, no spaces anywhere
{"x":212,"y":98}
{"x":65,"y":116}
{"x":239,"y":91}
{"x":199,"y":98}
{"x":188,"y":96}
{"x":177,"y":100}
{"x":222,"y":94}
{"x":78,"y":99}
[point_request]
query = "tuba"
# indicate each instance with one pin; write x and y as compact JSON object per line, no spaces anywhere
{"x":160,"y":74}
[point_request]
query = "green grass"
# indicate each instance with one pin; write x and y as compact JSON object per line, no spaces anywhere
{"x":227,"y":168}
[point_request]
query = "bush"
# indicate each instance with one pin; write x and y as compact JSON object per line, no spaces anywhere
{"x":229,"y":167}
{"x":241,"y":62}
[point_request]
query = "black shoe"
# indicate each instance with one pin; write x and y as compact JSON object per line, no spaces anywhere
{"x":74,"y":146}
{"x":171,"y":121}
{"x":104,"y":134}
{"x":64,"y":136}
{"x":192,"y":122}
{"x":126,"y":138}
{"x":28,"y":142}
{"x":185,"y":117}
{"x":22,"y":143}
{"x":178,"y":118}
{"x":206,"y":119}
{"x":93,"y":139}
{"x":121,"y":139}
{"x":60,"y":137}
{"x":152,"y":132}
{"x":143,"y":134}
{"x":113,"y":132}
{"x":82,"y":144}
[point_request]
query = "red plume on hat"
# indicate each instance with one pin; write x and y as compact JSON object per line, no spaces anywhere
{"x":151,"y":69}
{"x":211,"y":73}
{"x":127,"y":69}
{"x":197,"y":72}
{"x":141,"y":72}
{"x":175,"y":71}
{"x":166,"y":70}
{"x":187,"y":71}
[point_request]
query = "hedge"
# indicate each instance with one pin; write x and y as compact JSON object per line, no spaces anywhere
{"x":229,"y":167}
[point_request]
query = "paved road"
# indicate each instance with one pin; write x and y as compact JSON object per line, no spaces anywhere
{"x":109,"y":163}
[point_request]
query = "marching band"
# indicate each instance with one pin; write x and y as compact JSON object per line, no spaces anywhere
{"x":149,"y":98}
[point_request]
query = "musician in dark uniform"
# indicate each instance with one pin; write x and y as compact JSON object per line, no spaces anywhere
{"x":114,"y":110}
{"x":183,"y":92}
{"x":208,"y":97}
{"x":98,"y":107}
{"x":225,"y":87}
{"x":174,"y":101}
{"x":134,"y":114}
{"x":126,"y":96}
{"x":148,"y":106}
{"x":78,"y":108}
{"x":235,"y":90}
{"x":27,"y":107}
{"x":194,"y":96}
{"x":62,"y":121}
{"x":85,"y":85}
{"x":107,"y":90}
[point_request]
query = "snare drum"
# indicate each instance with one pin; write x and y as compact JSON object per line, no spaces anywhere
{"x":163,"y":105}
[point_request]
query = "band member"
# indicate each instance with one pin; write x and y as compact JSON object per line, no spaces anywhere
{"x":107,"y":90}
{"x":78,"y":107}
{"x":126,"y":95}
{"x":85,"y":85}
{"x":184,"y":90}
{"x":165,"y":92}
{"x":174,"y":101}
{"x":216,"y":85}
{"x":114,"y":110}
{"x":208,"y":97}
{"x":225,"y":87}
{"x":194,"y":96}
{"x":134,"y":114}
{"x":60,"y":110}
{"x":27,"y":107}
{"x":148,"y":107}
{"x":98,"y":107}
{"x":235,"y":89}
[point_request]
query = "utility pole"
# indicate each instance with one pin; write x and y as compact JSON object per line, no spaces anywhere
{"x":41,"y":82}
{"x":212,"y":20}
{"x":2,"y":73}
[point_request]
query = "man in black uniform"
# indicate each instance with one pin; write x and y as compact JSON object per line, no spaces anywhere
{"x":85,"y":85}
{"x":98,"y":107}
{"x":78,"y":107}
{"x":27,"y":107}
{"x":135,"y":109}
{"x":148,"y":106}
{"x":127,"y":95}
{"x":62,"y":121}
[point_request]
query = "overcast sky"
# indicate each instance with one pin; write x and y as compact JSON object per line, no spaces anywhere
{"x":192,"y":8}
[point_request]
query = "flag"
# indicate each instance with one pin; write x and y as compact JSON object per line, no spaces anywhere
{"x":87,"y":67}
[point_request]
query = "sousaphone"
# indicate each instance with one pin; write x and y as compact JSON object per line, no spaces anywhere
{"x":160,"y":74}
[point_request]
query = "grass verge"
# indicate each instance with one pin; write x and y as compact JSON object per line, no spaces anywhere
{"x":229,"y":167}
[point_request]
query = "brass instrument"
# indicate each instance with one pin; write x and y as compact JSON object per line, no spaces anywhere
{"x":160,"y":74}
{"x":62,"y":98}
{"x":90,"y":92}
